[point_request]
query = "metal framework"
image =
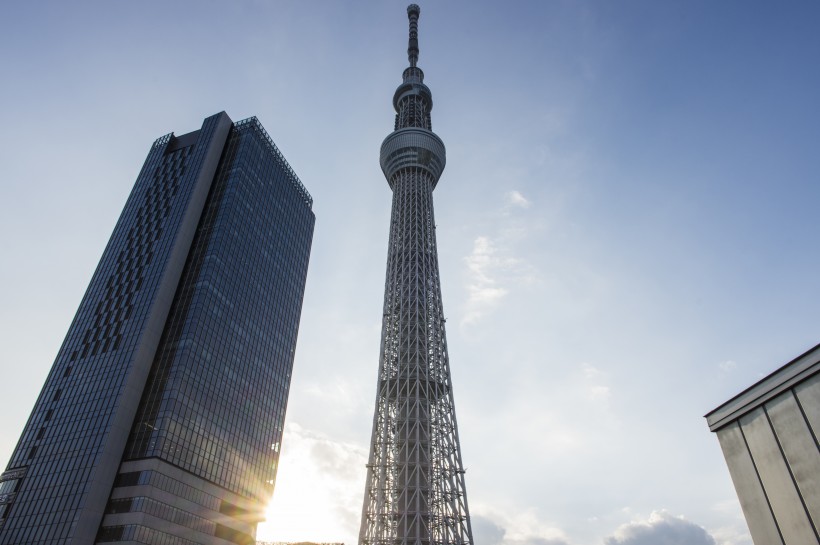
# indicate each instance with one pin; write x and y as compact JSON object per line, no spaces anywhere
{"x":415,"y":492}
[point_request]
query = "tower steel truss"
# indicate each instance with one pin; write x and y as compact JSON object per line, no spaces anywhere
{"x":415,"y":492}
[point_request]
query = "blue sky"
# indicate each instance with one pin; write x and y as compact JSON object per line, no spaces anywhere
{"x":626,"y":223}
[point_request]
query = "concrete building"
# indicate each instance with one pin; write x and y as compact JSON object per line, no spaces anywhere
{"x":161,"y":418}
{"x":769,"y":434}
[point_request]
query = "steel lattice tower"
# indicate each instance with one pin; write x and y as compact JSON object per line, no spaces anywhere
{"x":415,"y":493}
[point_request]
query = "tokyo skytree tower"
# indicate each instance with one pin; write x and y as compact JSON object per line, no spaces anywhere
{"x":415,"y":493}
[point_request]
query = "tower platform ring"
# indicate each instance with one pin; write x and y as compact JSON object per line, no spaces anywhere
{"x":413,"y":147}
{"x":412,"y":86}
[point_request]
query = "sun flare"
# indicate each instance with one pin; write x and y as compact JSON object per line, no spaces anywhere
{"x":318,"y":491}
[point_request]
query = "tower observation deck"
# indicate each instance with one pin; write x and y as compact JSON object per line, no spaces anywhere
{"x":415,"y":492}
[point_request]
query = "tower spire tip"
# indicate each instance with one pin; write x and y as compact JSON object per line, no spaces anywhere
{"x":413,"y":12}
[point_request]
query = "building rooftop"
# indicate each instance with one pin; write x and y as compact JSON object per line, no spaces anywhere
{"x":794,"y":372}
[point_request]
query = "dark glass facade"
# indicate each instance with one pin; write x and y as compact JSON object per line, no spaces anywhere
{"x":161,"y":419}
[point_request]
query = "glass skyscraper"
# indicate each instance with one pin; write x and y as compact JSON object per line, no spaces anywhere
{"x":161,"y":419}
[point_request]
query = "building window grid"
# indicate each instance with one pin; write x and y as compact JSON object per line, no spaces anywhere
{"x":140,"y":534}
{"x":98,"y":419}
{"x":202,"y":453}
{"x":60,"y":377}
{"x":164,"y":511}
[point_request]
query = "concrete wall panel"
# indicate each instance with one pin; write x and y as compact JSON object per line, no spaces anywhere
{"x":784,"y":499}
{"x":749,"y":489}
{"x":808,"y":393}
{"x":799,"y":448}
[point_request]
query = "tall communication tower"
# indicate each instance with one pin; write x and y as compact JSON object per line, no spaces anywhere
{"x":415,"y":493}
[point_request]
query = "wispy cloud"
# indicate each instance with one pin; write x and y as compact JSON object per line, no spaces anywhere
{"x":484,"y":293}
{"x":595,"y":388}
{"x":515,"y":198}
{"x":727,"y":366}
{"x":491,"y":267}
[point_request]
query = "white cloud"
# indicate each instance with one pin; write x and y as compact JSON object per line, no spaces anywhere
{"x":727,"y":366}
{"x":486,"y":531}
{"x":734,"y":530}
{"x":599,"y":393}
{"x":595,"y":389}
{"x":535,"y":540}
{"x":490,"y":266}
{"x":317,"y":474}
{"x":515,"y":198}
{"x":493,"y":527}
{"x":484,"y":294}
{"x":337,"y":392}
{"x":732,"y":535}
{"x":591,"y":372}
{"x":661,"y":528}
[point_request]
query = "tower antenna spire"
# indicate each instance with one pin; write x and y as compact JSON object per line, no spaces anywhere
{"x":413,"y":11}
